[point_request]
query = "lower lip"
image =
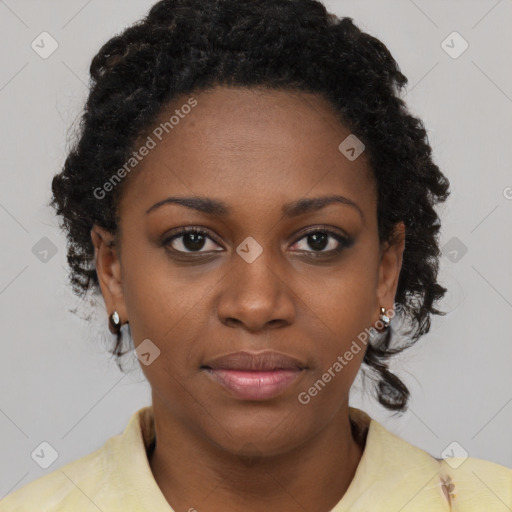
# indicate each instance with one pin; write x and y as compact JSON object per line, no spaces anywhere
{"x":255,"y":385}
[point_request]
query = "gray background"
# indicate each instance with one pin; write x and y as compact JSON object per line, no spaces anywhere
{"x":58,"y":383}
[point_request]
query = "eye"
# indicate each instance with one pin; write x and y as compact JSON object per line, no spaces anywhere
{"x":191,"y":240}
{"x":316,"y":242}
{"x":323,"y":242}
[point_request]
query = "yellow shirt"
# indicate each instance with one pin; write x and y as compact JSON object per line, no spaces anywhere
{"x":392,"y":476}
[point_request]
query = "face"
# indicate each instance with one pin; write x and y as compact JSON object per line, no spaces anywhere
{"x":266,"y":270}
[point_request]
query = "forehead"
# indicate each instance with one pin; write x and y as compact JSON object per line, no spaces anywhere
{"x":249,"y":141}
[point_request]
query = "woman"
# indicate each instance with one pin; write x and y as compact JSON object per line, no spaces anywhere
{"x":256,"y":205}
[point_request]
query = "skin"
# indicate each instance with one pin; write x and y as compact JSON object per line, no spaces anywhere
{"x":255,"y":150}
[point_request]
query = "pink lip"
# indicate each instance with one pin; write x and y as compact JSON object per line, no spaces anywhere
{"x":267,"y":360}
{"x":255,"y":385}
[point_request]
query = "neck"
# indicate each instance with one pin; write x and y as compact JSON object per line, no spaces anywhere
{"x":194,"y":473}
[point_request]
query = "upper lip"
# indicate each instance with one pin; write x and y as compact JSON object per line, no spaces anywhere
{"x":253,"y":361}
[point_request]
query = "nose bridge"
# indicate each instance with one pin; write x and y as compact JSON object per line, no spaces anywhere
{"x":256,"y":266}
{"x":255,"y":292}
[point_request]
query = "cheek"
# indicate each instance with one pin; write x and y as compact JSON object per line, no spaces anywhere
{"x":340,"y":344}
{"x":160,"y":297}
{"x":342,"y":308}
{"x":345,"y":299}
{"x":166,"y":306}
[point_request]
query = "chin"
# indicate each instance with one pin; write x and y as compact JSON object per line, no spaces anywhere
{"x":255,"y":435}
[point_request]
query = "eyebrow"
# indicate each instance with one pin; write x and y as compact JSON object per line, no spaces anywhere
{"x":293,"y":209}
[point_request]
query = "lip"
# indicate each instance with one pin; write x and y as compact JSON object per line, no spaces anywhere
{"x":267,"y":360}
{"x":255,"y":376}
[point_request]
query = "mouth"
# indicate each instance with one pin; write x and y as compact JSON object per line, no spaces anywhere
{"x":255,"y":376}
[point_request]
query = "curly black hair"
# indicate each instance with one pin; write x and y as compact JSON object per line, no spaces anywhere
{"x":185,"y":46}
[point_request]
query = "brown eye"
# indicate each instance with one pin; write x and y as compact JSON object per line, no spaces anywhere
{"x":191,"y":240}
{"x":321,"y":241}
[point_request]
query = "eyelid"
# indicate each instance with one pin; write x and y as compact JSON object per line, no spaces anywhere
{"x":331,"y":230}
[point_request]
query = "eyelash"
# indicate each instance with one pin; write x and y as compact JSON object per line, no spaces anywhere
{"x":344,"y":242}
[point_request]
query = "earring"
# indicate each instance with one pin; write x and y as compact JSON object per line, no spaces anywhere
{"x":114,"y":323}
{"x":384,"y":318}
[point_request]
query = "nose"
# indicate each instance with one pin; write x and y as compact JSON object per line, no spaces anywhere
{"x":255,"y":295}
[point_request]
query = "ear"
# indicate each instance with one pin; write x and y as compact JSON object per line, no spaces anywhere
{"x":390,"y":265}
{"x":108,"y":269}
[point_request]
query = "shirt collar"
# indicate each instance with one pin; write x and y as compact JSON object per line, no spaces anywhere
{"x":391,"y":473}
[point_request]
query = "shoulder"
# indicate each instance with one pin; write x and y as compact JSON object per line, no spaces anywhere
{"x":394,"y":474}
{"x":116,"y":476}
{"x":473,"y":483}
{"x":60,"y":489}
{"x":467,"y":484}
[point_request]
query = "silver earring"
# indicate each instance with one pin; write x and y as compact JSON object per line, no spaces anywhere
{"x":384,"y":318}
{"x":114,"y":322}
